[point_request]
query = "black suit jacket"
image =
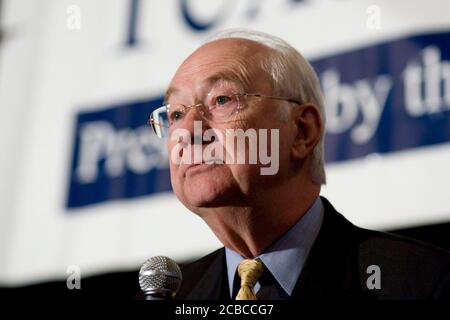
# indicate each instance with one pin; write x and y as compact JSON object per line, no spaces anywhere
{"x":337,"y":267}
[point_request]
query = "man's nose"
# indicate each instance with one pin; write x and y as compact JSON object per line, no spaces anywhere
{"x":196,"y":124}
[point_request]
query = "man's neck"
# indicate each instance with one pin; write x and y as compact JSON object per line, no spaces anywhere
{"x":250,"y":230}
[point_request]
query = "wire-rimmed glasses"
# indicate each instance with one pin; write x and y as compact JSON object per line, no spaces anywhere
{"x":221,"y":109}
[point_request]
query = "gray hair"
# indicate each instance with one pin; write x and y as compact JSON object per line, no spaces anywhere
{"x":293,"y":77}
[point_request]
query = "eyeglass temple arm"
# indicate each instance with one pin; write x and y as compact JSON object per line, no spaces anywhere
{"x":272,"y":97}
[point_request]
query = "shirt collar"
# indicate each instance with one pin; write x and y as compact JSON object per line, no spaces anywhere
{"x":286,"y":257}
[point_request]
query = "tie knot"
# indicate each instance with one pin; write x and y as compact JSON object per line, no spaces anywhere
{"x":250,"y":270}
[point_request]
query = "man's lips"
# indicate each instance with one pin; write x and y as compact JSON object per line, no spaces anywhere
{"x":197,"y":167}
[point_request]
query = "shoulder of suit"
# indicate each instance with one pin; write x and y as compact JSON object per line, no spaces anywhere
{"x":403,"y":263}
{"x":407,"y":265}
{"x":387,"y":245}
{"x":378,"y":240}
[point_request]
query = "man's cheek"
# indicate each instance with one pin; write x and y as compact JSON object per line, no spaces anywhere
{"x":174,"y":178}
{"x":179,"y":189}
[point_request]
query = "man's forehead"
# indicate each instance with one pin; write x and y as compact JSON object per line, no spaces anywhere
{"x":230,"y":60}
{"x":232,"y":77}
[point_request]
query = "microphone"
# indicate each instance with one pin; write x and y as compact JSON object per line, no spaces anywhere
{"x":160,"y":278}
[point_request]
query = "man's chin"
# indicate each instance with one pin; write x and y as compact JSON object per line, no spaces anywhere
{"x":211,"y":190}
{"x":209,"y":199}
{"x":194,"y":201}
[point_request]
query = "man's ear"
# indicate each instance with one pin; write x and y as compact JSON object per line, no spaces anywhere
{"x":309,"y":129}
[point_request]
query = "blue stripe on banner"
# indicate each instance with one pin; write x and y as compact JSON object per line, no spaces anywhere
{"x":117,"y":155}
{"x":388,"y":97}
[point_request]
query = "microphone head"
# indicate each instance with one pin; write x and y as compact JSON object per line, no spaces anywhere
{"x":160,"y":276}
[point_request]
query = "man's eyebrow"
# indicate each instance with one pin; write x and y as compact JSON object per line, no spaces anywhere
{"x":226,"y":76}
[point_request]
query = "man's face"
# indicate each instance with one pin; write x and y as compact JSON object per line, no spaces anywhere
{"x":225,"y":66}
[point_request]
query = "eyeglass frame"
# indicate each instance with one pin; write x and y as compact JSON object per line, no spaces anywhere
{"x":151,"y":122}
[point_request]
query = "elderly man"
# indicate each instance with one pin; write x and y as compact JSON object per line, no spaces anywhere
{"x":281,"y":239}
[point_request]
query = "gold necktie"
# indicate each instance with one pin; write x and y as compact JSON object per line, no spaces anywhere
{"x":249,"y":271}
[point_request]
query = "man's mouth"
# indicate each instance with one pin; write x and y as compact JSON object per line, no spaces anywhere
{"x":199,"y":167}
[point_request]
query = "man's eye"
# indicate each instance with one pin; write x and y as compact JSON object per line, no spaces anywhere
{"x":222,"y":100}
{"x":176,"y":116}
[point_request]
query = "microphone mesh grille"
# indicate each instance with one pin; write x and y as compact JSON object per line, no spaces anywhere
{"x":160,"y":273}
